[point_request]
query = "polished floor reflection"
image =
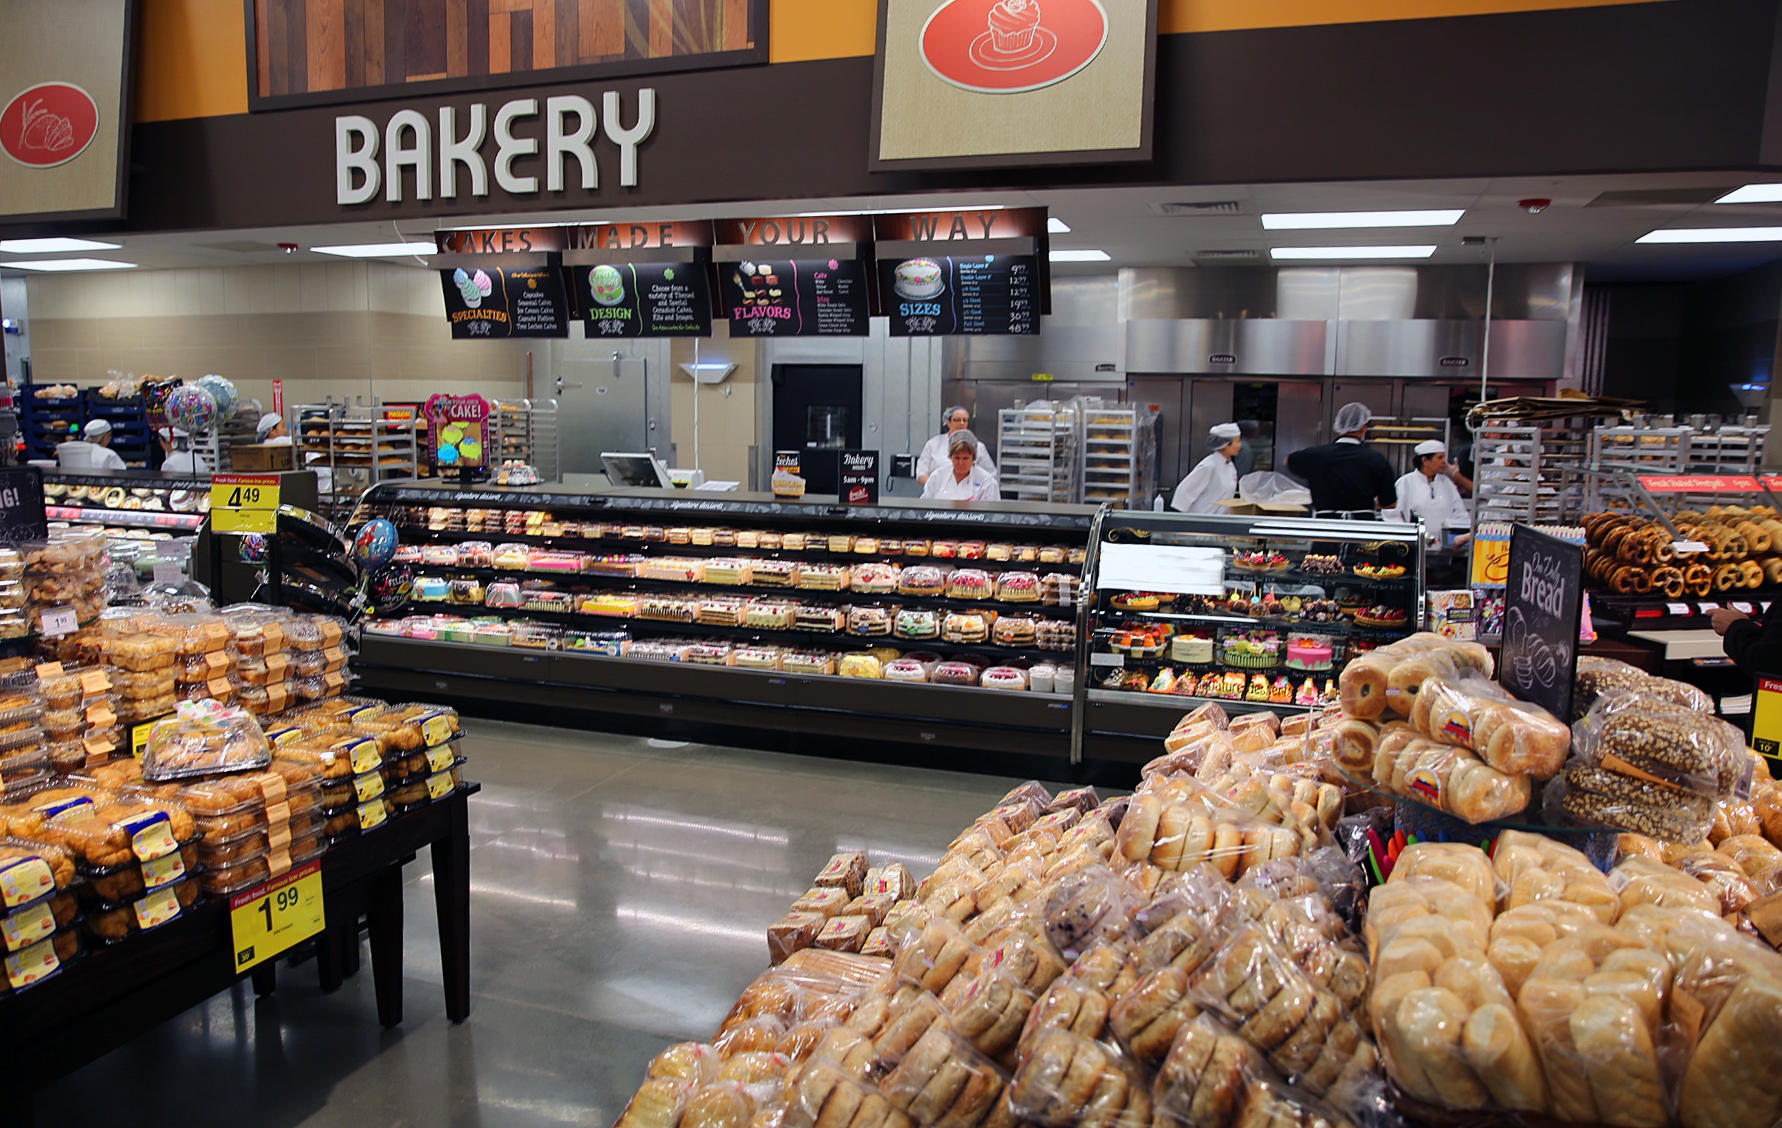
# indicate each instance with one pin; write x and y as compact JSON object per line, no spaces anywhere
{"x":620,"y":895}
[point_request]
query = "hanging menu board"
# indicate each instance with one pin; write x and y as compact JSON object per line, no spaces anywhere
{"x":966,"y":295}
{"x":489,"y":302}
{"x":796,"y":298}
{"x":646,"y":299}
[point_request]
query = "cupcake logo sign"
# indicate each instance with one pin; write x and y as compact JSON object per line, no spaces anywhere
{"x":1012,"y":46}
{"x":48,"y":125}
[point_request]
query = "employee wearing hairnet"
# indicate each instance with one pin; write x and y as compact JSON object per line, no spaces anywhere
{"x":961,"y":479}
{"x":1214,"y":478}
{"x":271,"y":430}
{"x":1429,"y":494}
{"x":1346,"y":476}
{"x":90,"y":452}
{"x":934,"y":455}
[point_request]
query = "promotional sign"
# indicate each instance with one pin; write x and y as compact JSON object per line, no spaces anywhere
{"x":22,"y":516}
{"x":484,"y":303}
{"x":457,"y":431}
{"x":646,"y":299}
{"x":1542,"y":605}
{"x":271,"y":917}
{"x":788,"y":479}
{"x":1698,"y":483}
{"x":244,"y":503}
{"x":1766,"y":717}
{"x":860,"y":477}
{"x":969,"y":296}
{"x":796,"y":298}
{"x":986,"y":82}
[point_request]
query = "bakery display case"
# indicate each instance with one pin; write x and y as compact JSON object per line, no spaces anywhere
{"x":896,"y":622}
{"x":1256,"y":613}
{"x":128,"y":504}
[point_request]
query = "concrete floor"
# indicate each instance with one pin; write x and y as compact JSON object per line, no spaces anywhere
{"x":620,"y":897}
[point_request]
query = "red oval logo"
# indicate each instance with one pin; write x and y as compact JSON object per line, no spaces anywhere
{"x":1012,"y":46}
{"x":48,"y":125}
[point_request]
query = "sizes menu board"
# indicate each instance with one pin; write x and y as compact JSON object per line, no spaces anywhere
{"x":967,"y":295}
{"x":488,"y":302}
{"x":796,"y":298}
{"x":646,"y":299}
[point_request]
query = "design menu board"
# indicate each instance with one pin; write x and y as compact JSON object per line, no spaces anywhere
{"x":796,"y":298}
{"x":484,"y":303}
{"x":965,"y":295}
{"x":646,"y":299}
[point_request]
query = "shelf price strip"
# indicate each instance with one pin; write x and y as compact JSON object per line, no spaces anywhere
{"x":272,"y":917}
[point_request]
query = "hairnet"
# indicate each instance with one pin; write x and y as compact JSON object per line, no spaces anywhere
{"x":267,"y":422}
{"x":95,"y":429}
{"x":947,"y":415}
{"x":1351,"y":417}
{"x":1430,"y":446}
{"x":963,"y":438}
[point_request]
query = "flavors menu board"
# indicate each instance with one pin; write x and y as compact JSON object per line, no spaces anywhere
{"x":488,"y":302}
{"x":796,"y":298}
{"x":966,"y":295}
{"x":646,"y":299}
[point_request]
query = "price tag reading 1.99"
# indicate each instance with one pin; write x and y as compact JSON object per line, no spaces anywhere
{"x":270,"y":918}
{"x":244,"y":503}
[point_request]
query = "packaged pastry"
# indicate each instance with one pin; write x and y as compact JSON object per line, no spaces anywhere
{"x":808,"y":662}
{"x":31,"y":871}
{"x":1003,"y":677}
{"x":99,"y":829}
{"x":906,"y":670}
{"x":955,"y":673}
{"x":1018,"y":587}
{"x":875,"y":578}
{"x":142,"y":914}
{"x":1672,"y":745}
{"x":870,"y":620}
{"x":969,"y":627}
{"x":861,"y":666}
{"x":970,"y":583}
{"x":1387,"y":678}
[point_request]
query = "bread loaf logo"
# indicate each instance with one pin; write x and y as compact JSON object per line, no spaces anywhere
{"x":1424,"y":785}
{"x":1012,"y":46}
{"x":1457,"y":727}
{"x":48,"y":125}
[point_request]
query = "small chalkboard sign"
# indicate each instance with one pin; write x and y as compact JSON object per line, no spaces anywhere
{"x":21,"y":505}
{"x":860,"y":477}
{"x":1543,"y":600}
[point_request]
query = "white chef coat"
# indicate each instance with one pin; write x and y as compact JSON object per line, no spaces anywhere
{"x":1436,"y":501}
{"x":82,"y":455}
{"x":184,"y":462}
{"x":282,"y":440}
{"x":978,"y":486}
{"x":1213,"y":480}
{"x":934,"y":457}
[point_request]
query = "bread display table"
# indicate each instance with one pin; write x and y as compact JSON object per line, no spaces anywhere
{"x":114,"y":994}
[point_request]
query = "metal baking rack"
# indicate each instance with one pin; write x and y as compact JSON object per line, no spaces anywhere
{"x":526,"y":431}
{"x":1036,"y":451}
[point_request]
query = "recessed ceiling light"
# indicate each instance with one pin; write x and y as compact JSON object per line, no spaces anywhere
{"x":53,"y":246}
{"x":1753,"y":194}
{"x":378,"y":250}
{"x":1327,"y":221}
{"x":1056,"y":226}
{"x":1415,"y":251}
{"x":69,"y":264}
{"x":1079,"y":256}
{"x":1713,"y":235}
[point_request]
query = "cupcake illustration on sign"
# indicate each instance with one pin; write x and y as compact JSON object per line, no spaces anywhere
{"x":473,"y":288}
{"x":1012,"y":46}
{"x":606,"y":285}
{"x":919,"y":279}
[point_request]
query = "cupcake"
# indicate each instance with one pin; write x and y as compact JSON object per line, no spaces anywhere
{"x":1013,"y":24}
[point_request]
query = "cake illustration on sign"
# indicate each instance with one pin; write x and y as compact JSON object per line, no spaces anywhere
{"x":920,"y":279}
{"x":606,"y":285}
{"x":1012,"y":46}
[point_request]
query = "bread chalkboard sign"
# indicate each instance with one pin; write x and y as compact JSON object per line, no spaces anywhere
{"x":21,"y":505}
{"x":1542,"y":602}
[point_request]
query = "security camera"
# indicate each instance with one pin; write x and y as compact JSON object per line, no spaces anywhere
{"x":288,"y":248}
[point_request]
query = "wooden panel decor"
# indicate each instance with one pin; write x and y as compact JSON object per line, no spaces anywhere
{"x":311,"y":52}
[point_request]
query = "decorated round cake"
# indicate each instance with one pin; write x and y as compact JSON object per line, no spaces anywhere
{"x":919,"y":279}
{"x":1192,"y":649}
{"x":1018,"y":587}
{"x":922,"y":579}
{"x":969,"y":583}
{"x":1309,"y":653}
{"x":1253,"y":650}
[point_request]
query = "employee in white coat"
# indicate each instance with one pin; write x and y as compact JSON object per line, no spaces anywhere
{"x":1215,"y":478}
{"x":962,"y":479}
{"x":179,"y":461}
{"x":271,"y":430}
{"x":1429,"y":494}
{"x":935,"y":451}
{"x":92,"y":451}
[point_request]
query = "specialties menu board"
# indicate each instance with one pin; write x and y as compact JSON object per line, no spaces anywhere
{"x":646,"y":299}
{"x":489,"y":302}
{"x":968,"y":295}
{"x":796,"y":298}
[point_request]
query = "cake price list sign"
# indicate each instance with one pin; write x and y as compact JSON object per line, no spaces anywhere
{"x":796,"y":298}
{"x":967,"y":296}
{"x":646,"y":299}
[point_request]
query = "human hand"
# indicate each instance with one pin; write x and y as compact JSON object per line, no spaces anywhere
{"x":1724,"y":618}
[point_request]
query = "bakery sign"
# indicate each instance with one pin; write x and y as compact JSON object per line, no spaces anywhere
{"x":965,"y":83}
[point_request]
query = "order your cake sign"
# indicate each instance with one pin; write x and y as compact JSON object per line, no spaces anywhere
{"x":1012,"y":46}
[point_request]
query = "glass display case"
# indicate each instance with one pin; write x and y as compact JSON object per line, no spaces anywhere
{"x":137,"y":504}
{"x":1254,"y":612}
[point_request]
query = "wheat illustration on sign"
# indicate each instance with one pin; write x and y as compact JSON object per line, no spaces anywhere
{"x":45,"y":131}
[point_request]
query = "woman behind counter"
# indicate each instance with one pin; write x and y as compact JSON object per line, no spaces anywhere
{"x":964,"y":480}
{"x":1429,"y":493}
{"x":933,"y":458}
{"x":1215,"y":478}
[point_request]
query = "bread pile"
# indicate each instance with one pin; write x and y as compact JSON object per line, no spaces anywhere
{"x":1630,"y":555}
{"x":1530,"y":982}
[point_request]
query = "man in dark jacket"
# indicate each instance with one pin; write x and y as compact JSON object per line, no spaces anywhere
{"x":1347,"y":475}
{"x":1754,"y":648}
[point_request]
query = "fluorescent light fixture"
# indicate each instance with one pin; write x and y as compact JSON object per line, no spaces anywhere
{"x":1753,"y":194}
{"x":378,"y":250}
{"x":53,"y":246}
{"x":1713,"y":235}
{"x":1056,"y":226}
{"x":1328,"y":221}
{"x":1423,"y":250}
{"x":69,"y":264}
{"x":1079,"y":256}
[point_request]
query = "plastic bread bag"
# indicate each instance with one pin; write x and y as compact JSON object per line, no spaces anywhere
{"x":1073,"y":1003}
{"x":1734,"y":1077}
{"x":1735,"y":816}
{"x":1387,"y":679}
{"x":1020,"y":951}
{"x":824,"y":1095}
{"x":1645,"y":738}
{"x":943,"y":1081}
{"x":1758,"y":859}
{"x":657,"y":1103}
{"x":989,"y":1009}
{"x":1213,"y":1079}
{"x":1095,"y":904}
{"x":1451,"y":780}
{"x":1640,"y":881}
{"x":931,"y":954}
{"x":1427,"y":903}
{"x":723,"y":1104}
{"x":1108,"y":967}
{"x":1461,"y":863}
{"x":1065,"y":1080}
{"x":1185,"y":825}
{"x":1513,"y":736}
{"x":1597,"y":1054}
{"x":1724,"y":878}
{"x":891,"y":1017}
{"x":1598,"y":677}
{"x":1595,"y":797}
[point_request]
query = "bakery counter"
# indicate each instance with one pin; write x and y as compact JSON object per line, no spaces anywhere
{"x":927,"y":715}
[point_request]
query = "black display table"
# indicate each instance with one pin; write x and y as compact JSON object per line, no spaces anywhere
{"x":112,"y":995}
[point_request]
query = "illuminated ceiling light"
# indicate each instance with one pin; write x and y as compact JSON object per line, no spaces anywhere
{"x":1423,"y":250}
{"x":1330,"y":221}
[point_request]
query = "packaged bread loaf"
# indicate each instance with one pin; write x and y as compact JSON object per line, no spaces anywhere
{"x":1448,"y":778}
{"x":1387,"y":679}
{"x":1068,"y":1080}
{"x":1472,"y":712}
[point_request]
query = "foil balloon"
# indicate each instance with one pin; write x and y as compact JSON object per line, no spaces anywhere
{"x":375,"y":545}
{"x":192,"y":408}
{"x":390,"y":589}
{"x":223,"y":390}
{"x":253,"y":548}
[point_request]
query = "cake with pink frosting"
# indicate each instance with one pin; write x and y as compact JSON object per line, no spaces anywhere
{"x":1012,"y":24}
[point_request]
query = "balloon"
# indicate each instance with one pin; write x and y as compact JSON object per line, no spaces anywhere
{"x":223,"y":390}
{"x":391,"y":588}
{"x":376,"y":544}
{"x":192,"y":408}
{"x":253,"y":548}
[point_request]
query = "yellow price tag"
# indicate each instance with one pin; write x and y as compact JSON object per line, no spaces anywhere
{"x":244,"y":503}
{"x":270,"y":918}
{"x":140,"y":733}
{"x":1766,"y":718}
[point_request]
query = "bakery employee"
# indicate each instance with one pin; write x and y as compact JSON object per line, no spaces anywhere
{"x":1346,"y":476}
{"x":92,"y":452}
{"x":964,"y":480}
{"x":935,"y":451}
{"x":1429,"y":494}
{"x":271,"y":430}
{"x":1215,"y":478}
{"x":179,"y":461}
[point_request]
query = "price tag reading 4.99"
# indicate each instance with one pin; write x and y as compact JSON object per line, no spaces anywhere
{"x":272,"y":917}
{"x":244,"y":503}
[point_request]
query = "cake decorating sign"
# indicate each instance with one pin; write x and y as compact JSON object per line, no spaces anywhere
{"x":457,"y":431}
{"x":796,"y":297}
{"x":966,"y":295}
{"x":646,"y":299}
{"x":484,"y":303}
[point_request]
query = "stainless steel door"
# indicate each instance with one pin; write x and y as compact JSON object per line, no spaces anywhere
{"x":1276,"y":417}
{"x":604,"y":405}
{"x":1170,"y":394}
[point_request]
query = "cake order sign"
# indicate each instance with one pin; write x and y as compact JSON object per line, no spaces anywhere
{"x":1012,"y":46}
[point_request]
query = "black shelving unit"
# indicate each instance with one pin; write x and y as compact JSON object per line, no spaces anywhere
{"x":130,"y":435}
{"x":46,"y":423}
